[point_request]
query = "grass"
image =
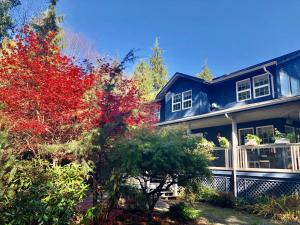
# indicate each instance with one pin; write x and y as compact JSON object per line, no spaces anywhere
{"x":217,"y":216}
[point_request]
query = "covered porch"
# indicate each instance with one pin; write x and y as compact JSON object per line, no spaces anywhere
{"x":268,"y":163}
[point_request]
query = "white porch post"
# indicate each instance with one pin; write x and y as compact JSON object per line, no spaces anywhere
{"x":234,"y":136}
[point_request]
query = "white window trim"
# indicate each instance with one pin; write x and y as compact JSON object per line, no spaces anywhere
{"x":264,"y":127}
{"x":265,"y":85}
{"x":176,"y":102}
{"x":247,"y":128}
{"x":237,"y":91}
{"x":183,"y":101}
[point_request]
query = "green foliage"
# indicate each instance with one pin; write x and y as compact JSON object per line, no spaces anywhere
{"x":224,"y":143}
{"x":285,"y":208}
{"x":134,"y":198}
{"x":35,"y":192}
{"x":205,"y":74}
{"x":254,"y":138}
{"x":48,"y":21}
{"x":158,"y":69}
{"x":168,"y":156}
{"x":143,"y":76}
{"x":182,"y":211}
{"x":6,"y":21}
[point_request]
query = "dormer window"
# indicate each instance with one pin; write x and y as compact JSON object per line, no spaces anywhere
{"x":243,"y":88}
{"x":261,"y":86}
{"x":187,"y":99}
{"x":176,"y":102}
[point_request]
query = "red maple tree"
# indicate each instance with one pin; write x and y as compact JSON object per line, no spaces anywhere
{"x":42,"y":91}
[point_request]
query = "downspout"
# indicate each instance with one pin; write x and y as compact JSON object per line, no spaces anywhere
{"x":234,"y":152}
{"x":272,"y":81}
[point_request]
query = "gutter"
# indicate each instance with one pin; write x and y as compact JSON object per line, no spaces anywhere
{"x":272,"y":81}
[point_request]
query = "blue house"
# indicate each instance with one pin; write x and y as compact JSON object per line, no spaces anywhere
{"x":254,"y":100}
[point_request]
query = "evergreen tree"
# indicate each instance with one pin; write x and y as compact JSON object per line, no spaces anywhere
{"x":205,"y":74}
{"x":159,"y":71}
{"x":6,"y":20}
{"x":48,"y":21}
{"x":142,"y":74}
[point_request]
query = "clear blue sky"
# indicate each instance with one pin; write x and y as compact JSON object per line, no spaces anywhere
{"x":230,"y":34}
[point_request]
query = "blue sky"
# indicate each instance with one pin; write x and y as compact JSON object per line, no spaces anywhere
{"x":229,"y":34}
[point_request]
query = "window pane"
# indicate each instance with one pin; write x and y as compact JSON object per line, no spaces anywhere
{"x":284,"y":83}
{"x":266,"y":134}
{"x":176,"y":106}
{"x":261,"y":80}
{"x":219,"y":160}
{"x":187,"y":104}
{"x":279,"y":158}
{"x":187,"y":95}
{"x":177,"y":98}
{"x":294,"y":86}
{"x":262,"y":91}
{"x":243,"y":133}
{"x":244,"y":95}
{"x":244,"y":85}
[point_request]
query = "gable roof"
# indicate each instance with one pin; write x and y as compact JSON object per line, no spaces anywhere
{"x":176,"y":76}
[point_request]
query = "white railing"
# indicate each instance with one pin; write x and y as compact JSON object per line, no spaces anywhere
{"x":267,"y":157}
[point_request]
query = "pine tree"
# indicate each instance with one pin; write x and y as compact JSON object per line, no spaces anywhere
{"x":6,"y":21}
{"x":142,"y":74}
{"x":159,"y":71}
{"x":205,"y":74}
{"x":48,"y":21}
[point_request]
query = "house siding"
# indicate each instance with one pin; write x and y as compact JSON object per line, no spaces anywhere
{"x":200,"y":97}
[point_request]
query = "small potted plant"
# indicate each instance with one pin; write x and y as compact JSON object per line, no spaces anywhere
{"x":252,"y":140}
{"x":281,"y":138}
{"x":224,"y":143}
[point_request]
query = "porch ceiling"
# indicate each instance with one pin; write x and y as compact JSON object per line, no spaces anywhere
{"x":289,"y":110}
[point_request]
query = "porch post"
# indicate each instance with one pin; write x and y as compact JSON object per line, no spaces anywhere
{"x":234,"y":137}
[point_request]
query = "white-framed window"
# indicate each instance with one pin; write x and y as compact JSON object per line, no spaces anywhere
{"x":265,"y":133}
{"x":187,"y":101}
{"x":289,"y":85}
{"x":243,"y":133}
{"x":176,"y":102}
{"x":261,"y":85}
{"x":243,"y":90}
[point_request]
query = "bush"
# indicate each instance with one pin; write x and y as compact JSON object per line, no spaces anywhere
{"x":134,"y":199}
{"x":182,"y":211}
{"x":39,"y":193}
{"x":285,"y":208}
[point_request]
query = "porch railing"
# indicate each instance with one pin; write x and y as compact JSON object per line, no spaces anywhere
{"x":272,"y":157}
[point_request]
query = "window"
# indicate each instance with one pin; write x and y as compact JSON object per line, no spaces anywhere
{"x":243,"y":90}
{"x":176,"y":102}
{"x":289,"y":130}
{"x":261,"y":86}
{"x":298,"y":134}
{"x":289,"y":85}
{"x":243,"y":133}
{"x":266,"y":133}
{"x":187,"y":99}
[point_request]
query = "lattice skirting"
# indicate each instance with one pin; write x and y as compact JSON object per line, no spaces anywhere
{"x":250,"y":188}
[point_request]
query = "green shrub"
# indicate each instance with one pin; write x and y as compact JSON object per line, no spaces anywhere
{"x":134,"y":199}
{"x":285,"y":208}
{"x":35,"y":192}
{"x":182,"y":211}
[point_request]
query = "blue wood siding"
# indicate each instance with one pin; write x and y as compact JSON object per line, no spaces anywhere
{"x":200,"y":97}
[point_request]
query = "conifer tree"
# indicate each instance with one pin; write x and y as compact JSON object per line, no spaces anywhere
{"x":6,"y":21}
{"x":48,"y":21}
{"x":158,"y":69}
{"x":205,"y":74}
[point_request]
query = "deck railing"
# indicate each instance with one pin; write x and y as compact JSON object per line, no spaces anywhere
{"x":267,"y":157}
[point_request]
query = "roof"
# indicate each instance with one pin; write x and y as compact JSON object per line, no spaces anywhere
{"x":176,"y":76}
{"x":268,"y":63}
